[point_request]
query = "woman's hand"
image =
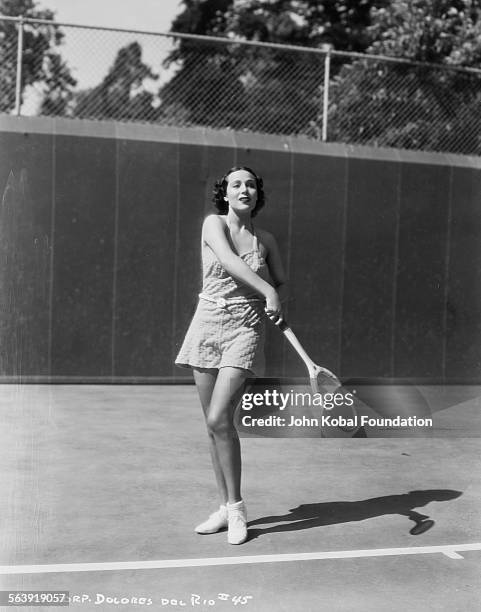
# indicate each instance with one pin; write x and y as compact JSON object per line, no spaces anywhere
{"x":273,"y":306}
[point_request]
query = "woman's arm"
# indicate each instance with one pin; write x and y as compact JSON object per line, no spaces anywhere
{"x":213,"y":233}
{"x":276,"y":269}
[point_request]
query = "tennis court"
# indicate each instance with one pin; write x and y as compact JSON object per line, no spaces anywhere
{"x":102,"y":486}
{"x":103,"y":479}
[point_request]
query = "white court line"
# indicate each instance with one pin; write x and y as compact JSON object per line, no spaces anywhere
{"x":449,"y":550}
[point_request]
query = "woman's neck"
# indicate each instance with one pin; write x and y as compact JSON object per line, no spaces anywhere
{"x":239,"y":222}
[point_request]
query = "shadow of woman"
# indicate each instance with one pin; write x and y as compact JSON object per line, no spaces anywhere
{"x":308,"y":516}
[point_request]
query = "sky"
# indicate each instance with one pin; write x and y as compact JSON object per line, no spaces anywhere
{"x":89,"y":54}
{"x":152,"y":15}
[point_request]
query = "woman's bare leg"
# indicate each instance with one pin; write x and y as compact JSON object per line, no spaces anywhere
{"x":205,"y":380}
{"x":226,"y":393}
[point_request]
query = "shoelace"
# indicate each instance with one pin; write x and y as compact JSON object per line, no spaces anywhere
{"x":237,"y":516}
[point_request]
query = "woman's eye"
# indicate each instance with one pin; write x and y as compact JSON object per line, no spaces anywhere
{"x":239,"y":185}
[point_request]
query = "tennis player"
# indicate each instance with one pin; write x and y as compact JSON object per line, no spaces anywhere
{"x":243,"y":279}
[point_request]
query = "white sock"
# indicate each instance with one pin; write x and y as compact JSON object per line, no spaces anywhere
{"x":235,"y":505}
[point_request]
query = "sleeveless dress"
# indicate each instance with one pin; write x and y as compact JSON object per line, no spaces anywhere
{"x":228,"y":326}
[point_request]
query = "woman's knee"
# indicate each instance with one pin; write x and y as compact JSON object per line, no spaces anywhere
{"x":219,"y":424}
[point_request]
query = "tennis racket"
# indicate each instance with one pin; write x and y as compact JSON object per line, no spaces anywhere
{"x":319,"y":377}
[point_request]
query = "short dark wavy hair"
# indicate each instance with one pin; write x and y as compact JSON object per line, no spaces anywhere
{"x":220,"y":191}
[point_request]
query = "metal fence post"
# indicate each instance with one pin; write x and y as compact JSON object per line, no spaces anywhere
{"x":18,"y":87}
{"x":325,"y":97}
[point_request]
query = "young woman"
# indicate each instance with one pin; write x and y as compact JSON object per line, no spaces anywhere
{"x":243,"y":279}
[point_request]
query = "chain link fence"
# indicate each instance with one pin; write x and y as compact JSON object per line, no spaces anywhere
{"x":405,"y":105}
{"x":172,"y":79}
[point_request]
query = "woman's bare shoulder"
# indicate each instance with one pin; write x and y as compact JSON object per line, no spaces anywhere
{"x":212,"y":224}
{"x":265,"y":237}
{"x":213,"y":221}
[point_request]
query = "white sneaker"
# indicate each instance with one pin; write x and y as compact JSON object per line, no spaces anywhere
{"x":237,"y":523}
{"x":215,"y":522}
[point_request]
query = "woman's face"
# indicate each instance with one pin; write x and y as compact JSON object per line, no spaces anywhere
{"x":241,"y":191}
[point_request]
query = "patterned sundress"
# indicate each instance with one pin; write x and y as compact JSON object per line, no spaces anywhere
{"x":228,"y":326}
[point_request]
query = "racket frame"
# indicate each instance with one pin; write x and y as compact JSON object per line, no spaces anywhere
{"x":313,"y":368}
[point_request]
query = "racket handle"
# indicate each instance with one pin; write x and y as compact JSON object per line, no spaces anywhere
{"x":290,"y":335}
{"x":292,"y":338}
{"x":312,"y":367}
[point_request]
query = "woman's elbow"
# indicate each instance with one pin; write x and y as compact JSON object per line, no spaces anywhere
{"x":283,"y":291}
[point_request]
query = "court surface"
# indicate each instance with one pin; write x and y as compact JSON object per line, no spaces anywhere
{"x":102,"y":485}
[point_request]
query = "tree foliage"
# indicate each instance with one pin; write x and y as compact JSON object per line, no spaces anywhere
{"x":259,"y":89}
{"x":419,"y":107}
{"x":41,"y":62}
{"x":437,"y":31}
{"x":372,"y":102}
{"x":120,"y":95}
{"x":340,"y":23}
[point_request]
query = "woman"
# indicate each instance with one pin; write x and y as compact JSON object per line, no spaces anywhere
{"x":242,"y":277}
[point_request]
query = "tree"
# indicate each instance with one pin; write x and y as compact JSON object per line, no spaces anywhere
{"x":437,"y":31}
{"x":121,"y":94}
{"x":41,"y":62}
{"x":258,"y":88}
{"x":422,"y":107}
{"x":340,"y":23}
{"x":372,"y":102}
